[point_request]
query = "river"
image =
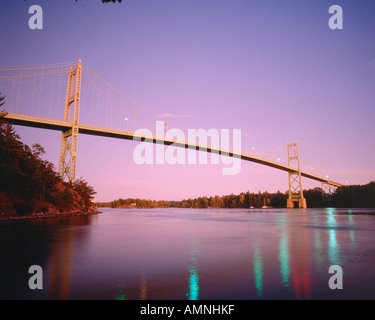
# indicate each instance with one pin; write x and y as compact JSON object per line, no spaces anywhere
{"x":192,"y":254}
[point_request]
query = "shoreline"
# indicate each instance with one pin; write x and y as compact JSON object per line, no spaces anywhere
{"x":45,"y":216}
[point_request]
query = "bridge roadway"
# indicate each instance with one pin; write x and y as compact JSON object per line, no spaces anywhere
{"x":58,"y":125}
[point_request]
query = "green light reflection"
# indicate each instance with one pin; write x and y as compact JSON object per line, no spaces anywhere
{"x":284,"y":260}
{"x":258,"y":271}
{"x":331,"y":220}
{"x":193,"y":289}
{"x":333,"y":250}
{"x":350,"y":216}
{"x":193,"y":280}
{"x":352,"y":237}
{"x":121,"y":294}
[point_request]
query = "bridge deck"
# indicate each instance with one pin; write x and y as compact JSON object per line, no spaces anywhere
{"x":130,"y":135}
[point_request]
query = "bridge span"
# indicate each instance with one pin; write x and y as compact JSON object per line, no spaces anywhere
{"x":58,"y":125}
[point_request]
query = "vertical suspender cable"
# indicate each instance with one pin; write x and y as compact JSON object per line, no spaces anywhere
{"x":50,"y":107}
{"x":58,"y":99}
{"x":92,"y":102}
{"x":40,"y":89}
{"x":18,"y":92}
{"x":11,"y":101}
{"x":32,"y":97}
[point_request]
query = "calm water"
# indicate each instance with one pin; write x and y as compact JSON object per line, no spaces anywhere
{"x":192,"y":254}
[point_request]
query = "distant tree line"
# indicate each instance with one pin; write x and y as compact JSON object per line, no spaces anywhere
{"x":346,"y":197}
{"x":243,"y":200}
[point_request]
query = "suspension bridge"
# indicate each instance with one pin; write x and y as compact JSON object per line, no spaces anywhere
{"x":93,"y":107}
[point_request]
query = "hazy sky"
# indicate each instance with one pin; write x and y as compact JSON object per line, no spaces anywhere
{"x":273,"y":69}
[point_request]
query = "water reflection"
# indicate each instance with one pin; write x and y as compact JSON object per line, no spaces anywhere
{"x":193,"y":279}
{"x":352,"y":237}
{"x":121,"y":295}
{"x":118,"y":256}
{"x":284,"y":259}
{"x":59,"y":284}
{"x":333,"y":246}
{"x":258,"y":271}
{"x":350,"y":216}
{"x":351,"y":232}
{"x":333,"y":251}
{"x":318,"y":255}
{"x":300,"y":260}
{"x":143,"y":288}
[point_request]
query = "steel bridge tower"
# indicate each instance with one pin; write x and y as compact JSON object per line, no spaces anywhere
{"x":69,"y":138}
{"x":295,"y":180}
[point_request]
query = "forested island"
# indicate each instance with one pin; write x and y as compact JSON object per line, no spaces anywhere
{"x":354,"y":196}
{"x":29,"y":185}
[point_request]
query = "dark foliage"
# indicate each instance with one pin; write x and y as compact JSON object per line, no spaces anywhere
{"x":29,"y":184}
{"x":86,"y":193}
{"x":355,"y":196}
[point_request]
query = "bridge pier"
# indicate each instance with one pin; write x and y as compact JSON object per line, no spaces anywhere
{"x":290,"y":203}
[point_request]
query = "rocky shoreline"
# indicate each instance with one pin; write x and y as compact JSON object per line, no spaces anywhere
{"x":46,"y":216}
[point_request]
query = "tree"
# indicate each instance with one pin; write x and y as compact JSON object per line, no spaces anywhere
{"x":204,"y":202}
{"x":314,"y":197}
{"x":85,"y":191}
{"x":212,"y":202}
{"x":198,"y":203}
{"x":16,"y":167}
{"x":30,"y":184}
{"x":185,"y":204}
{"x":241,"y":200}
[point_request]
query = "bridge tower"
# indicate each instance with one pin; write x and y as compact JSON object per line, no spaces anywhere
{"x":295,"y":180}
{"x":69,"y":138}
{"x":327,"y":191}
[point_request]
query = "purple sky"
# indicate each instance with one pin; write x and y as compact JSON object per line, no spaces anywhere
{"x":273,"y":69}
